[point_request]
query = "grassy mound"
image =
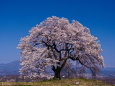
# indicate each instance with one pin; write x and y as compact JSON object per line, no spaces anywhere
{"x":64,"y":82}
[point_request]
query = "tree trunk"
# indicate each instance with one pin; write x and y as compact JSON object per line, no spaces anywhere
{"x":57,"y":74}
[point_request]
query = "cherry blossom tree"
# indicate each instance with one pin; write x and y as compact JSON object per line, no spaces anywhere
{"x":53,"y":42}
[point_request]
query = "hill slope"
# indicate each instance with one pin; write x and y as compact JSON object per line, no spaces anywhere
{"x":11,"y":68}
{"x":64,"y":82}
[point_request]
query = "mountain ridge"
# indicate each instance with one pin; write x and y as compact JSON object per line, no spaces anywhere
{"x":12,"y":68}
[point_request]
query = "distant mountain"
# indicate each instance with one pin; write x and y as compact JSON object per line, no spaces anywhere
{"x":108,"y":72}
{"x":11,"y":68}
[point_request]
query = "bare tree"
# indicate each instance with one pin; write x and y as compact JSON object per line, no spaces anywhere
{"x":53,"y":42}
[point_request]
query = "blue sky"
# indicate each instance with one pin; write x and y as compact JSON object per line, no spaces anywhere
{"x":17,"y":17}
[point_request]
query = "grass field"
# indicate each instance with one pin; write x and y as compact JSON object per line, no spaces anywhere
{"x":64,"y":82}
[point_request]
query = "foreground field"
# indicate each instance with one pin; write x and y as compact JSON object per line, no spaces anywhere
{"x":64,"y":82}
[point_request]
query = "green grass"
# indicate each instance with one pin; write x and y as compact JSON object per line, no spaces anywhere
{"x":64,"y":82}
